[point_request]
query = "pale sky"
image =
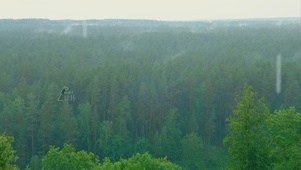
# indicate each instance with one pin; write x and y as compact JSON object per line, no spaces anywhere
{"x":149,"y":9}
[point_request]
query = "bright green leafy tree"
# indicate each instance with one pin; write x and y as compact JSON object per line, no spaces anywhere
{"x":246,"y":138}
{"x":285,"y":138}
{"x":138,"y":161}
{"x":7,"y":154}
{"x":67,"y":158}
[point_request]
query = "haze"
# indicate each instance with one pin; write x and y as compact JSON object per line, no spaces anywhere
{"x":155,"y":9}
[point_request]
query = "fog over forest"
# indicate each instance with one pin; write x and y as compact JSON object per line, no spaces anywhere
{"x":178,"y":89}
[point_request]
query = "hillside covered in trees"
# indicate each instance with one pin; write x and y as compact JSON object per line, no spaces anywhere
{"x":165,"y":88}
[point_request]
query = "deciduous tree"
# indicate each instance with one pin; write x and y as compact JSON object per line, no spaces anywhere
{"x":285,"y":138}
{"x":246,"y":138}
{"x":7,"y":154}
{"x":67,"y":158}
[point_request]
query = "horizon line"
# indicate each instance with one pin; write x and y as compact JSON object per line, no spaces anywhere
{"x":148,"y":19}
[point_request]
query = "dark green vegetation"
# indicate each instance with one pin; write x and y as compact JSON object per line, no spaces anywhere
{"x":157,"y":87}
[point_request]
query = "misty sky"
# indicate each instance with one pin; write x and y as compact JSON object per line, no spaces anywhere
{"x":149,"y":9}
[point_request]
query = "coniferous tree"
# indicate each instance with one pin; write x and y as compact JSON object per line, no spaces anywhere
{"x":32,"y":120}
{"x":85,"y":124}
{"x":191,"y":152}
{"x":167,"y":141}
{"x":142,"y":107}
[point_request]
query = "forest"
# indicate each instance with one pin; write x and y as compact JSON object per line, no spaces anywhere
{"x":155,"y":90}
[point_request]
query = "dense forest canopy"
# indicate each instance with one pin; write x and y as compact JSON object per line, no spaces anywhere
{"x":140,"y":85}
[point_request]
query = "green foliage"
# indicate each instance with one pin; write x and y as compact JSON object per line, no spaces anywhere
{"x":247,"y":140}
{"x":67,"y":158}
{"x":138,"y":161}
{"x":118,"y":148}
{"x":285,"y":138}
{"x":192,"y":151}
{"x":85,"y":121}
{"x":7,"y":154}
{"x":106,"y":137}
{"x":145,"y":161}
{"x":142,"y":146}
{"x":121,"y":144}
{"x":106,"y":165}
{"x":35,"y":163}
{"x":214,"y":158}
{"x":167,"y":142}
{"x":123,"y":117}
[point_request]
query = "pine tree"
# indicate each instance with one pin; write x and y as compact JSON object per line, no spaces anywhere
{"x":167,"y":141}
{"x":32,"y":120}
{"x":85,"y":124}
